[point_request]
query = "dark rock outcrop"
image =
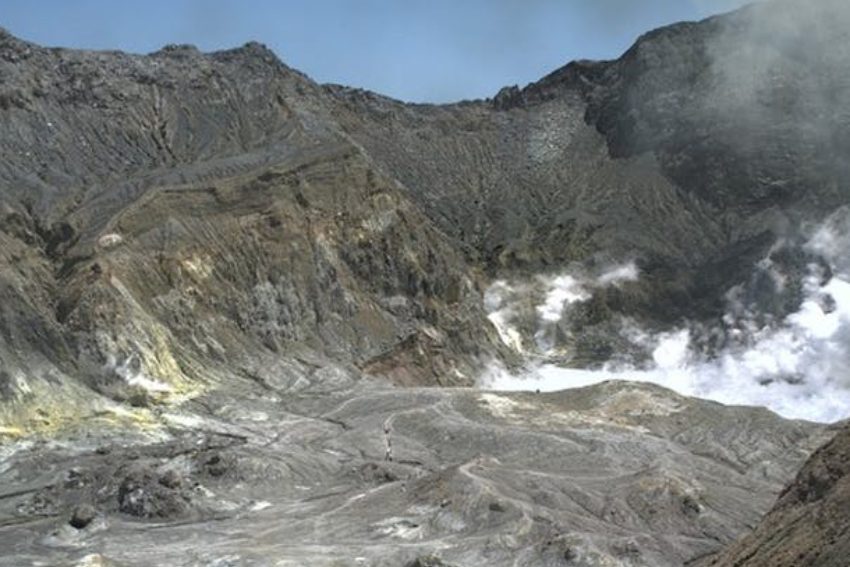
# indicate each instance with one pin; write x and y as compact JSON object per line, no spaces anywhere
{"x":143,"y":495}
{"x":83,"y":515}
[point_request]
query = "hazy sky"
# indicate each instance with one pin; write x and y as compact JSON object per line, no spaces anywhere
{"x":415,"y":50}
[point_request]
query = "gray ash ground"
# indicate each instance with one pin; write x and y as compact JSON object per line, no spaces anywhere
{"x":615,"y":474}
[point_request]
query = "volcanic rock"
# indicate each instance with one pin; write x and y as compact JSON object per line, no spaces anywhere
{"x":83,"y":515}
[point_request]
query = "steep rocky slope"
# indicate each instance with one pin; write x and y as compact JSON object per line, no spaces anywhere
{"x":177,"y":218}
{"x":685,"y":152}
{"x":809,"y":525}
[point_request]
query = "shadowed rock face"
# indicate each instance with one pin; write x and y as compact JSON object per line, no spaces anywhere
{"x":211,"y":268}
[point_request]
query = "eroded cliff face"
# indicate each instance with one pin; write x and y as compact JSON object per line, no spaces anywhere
{"x":164,"y":211}
{"x":705,"y":149}
{"x":174,"y":219}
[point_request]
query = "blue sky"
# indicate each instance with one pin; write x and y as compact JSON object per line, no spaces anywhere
{"x":415,"y":50}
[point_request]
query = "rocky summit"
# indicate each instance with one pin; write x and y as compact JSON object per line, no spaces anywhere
{"x":243,"y":316}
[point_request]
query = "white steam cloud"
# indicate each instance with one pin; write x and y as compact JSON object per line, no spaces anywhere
{"x":798,"y":367}
{"x":507,"y":304}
